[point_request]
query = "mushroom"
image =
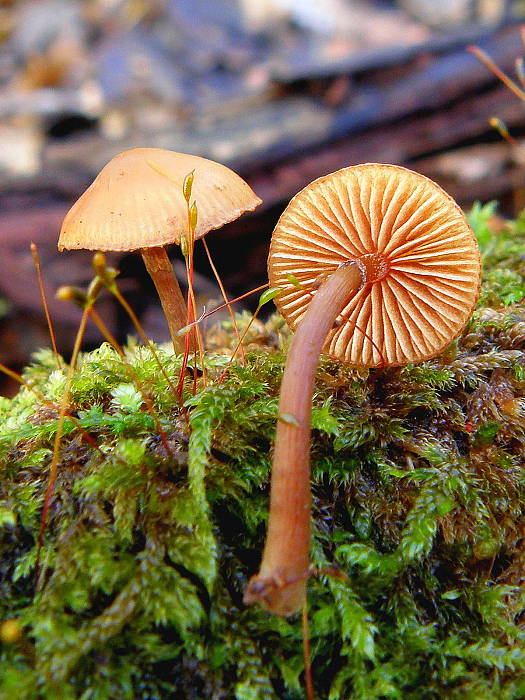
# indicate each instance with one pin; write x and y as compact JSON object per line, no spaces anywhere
{"x":385,"y":271}
{"x":137,"y":202}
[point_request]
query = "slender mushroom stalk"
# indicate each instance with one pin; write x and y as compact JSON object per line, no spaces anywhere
{"x":160,"y":270}
{"x":401,"y":268}
{"x":281,"y":582}
{"x":137,"y":202}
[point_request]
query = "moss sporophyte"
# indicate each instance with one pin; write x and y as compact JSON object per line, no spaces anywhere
{"x":417,"y":498}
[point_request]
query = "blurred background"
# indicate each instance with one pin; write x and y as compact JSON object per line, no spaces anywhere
{"x":282,"y":91}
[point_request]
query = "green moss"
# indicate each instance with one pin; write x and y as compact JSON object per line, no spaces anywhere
{"x":502,"y":256}
{"x":418,"y":492}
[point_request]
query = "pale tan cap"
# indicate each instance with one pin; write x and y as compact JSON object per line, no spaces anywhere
{"x":409,"y":233}
{"x":136,"y":201}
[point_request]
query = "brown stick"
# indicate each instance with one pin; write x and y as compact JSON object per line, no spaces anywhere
{"x":227,"y":301}
{"x":161,"y":272}
{"x":307,"y":657}
{"x":45,"y":307}
{"x":280,"y":584}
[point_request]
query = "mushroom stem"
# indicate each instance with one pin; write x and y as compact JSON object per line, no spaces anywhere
{"x":161,"y":272}
{"x":280,"y":584}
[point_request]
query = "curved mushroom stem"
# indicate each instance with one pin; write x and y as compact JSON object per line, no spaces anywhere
{"x":161,"y":272}
{"x":280,"y":585}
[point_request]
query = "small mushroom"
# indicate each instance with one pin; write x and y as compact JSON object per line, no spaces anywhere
{"x":378,"y":265}
{"x":136,"y":202}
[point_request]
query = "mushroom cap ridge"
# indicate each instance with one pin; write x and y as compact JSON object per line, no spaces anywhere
{"x":136,"y":201}
{"x":409,"y":232}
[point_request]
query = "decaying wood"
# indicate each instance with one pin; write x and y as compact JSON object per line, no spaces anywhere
{"x":362,"y":61}
{"x":281,"y":128}
{"x":401,"y":143}
{"x":17,"y":269}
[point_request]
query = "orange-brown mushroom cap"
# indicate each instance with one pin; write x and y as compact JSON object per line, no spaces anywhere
{"x":413,"y":241}
{"x":136,"y":201}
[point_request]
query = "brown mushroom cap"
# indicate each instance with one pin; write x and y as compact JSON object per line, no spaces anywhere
{"x":136,"y":201}
{"x":413,"y":240}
